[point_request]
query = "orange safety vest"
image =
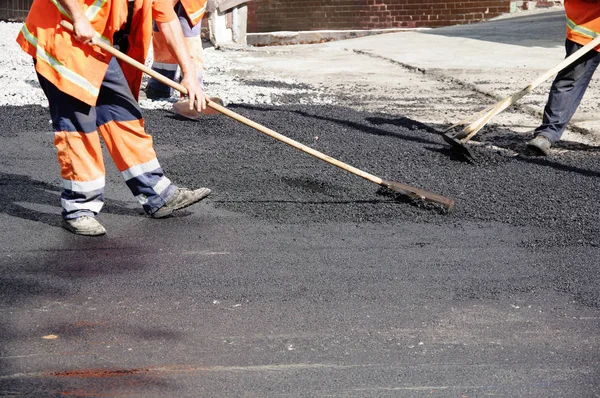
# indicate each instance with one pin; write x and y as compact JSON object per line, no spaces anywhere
{"x":194,"y":9}
{"x":583,"y":20}
{"x":76,"y":68}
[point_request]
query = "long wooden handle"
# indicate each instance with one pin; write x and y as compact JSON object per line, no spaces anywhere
{"x":377,"y":180}
{"x":478,"y":124}
{"x":126,"y":58}
{"x":106,"y":47}
{"x":466,"y":120}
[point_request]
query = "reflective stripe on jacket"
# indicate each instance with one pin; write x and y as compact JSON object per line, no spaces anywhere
{"x":194,"y":9}
{"x":76,"y":68}
{"x":583,"y":20}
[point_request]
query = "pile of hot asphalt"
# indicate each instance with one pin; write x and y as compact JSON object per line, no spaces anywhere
{"x":257,"y":176}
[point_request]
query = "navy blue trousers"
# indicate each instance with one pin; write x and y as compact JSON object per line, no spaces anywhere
{"x":566,"y":93}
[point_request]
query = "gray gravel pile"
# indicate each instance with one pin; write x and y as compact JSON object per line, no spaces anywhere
{"x":224,"y":78}
{"x":18,"y":82}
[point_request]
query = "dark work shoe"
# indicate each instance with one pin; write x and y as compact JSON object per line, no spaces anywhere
{"x":153,"y":94}
{"x":84,"y":225}
{"x":540,"y":145}
{"x":182,"y":198}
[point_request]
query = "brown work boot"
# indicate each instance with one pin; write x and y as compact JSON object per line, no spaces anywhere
{"x":84,"y":225}
{"x":183,"y":197}
{"x":540,"y":145}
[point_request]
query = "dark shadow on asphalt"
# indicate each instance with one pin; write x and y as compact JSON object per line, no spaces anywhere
{"x":16,"y":189}
{"x":548,"y":162}
{"x":525,"y":31}
{"x":502,"y":138}
{"x":576,"y":146}
{"x":402,"y":122}
{"x":52,"y":276}
{"x":16,"y":289}
{"x":412,"y":125}
{"x":451,"y":154}
{"x":368,"y":128}
{"x":90,"y":383}
{"x":505,"y":138}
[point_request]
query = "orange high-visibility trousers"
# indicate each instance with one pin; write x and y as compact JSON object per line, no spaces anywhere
{"x":117,"y":118}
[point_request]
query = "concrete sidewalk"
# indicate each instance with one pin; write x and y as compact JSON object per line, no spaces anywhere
{"x":497,"y":58}
{"x":437,"y":76}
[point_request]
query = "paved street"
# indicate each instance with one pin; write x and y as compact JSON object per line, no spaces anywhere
{"x":297,"y":279}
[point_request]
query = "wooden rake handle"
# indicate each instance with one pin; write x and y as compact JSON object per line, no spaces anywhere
{"x":466,"y":120}
{"x":402,"y":188}
{"x":478,"y":124}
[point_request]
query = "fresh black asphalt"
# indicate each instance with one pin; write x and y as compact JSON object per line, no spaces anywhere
{"x":298,"y":279}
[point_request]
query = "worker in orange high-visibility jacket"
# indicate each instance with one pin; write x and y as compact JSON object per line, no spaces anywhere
{"x":189,"y":13}
{"x":569,"y":86}
{"x":89,"y":96}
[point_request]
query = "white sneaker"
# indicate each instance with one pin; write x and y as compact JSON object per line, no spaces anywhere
{"x":84,"y":225}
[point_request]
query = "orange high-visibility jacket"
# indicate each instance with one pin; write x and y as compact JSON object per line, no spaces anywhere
{"x":194,"y":9}
{"x":583,"y":20}
{"x":76,"y":68}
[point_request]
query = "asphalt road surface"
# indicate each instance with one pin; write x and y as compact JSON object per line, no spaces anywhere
{"x":298,"y":279}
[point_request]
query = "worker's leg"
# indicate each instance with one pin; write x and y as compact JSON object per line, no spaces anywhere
{"x":164,"y":63}
{"x":566,"y":93}
{"x":121,"y":125}
{"x":79,"y":153}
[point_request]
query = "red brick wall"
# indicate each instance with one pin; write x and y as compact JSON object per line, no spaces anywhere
{"x":277,"y":15}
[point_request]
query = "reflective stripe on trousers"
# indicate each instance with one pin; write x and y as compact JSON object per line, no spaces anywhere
{"x":118,"y":119}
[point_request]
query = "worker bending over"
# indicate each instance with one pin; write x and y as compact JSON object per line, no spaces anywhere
{"x":91,"y":95}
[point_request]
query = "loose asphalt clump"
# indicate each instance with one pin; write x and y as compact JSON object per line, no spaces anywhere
{"x":257,"y":176}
